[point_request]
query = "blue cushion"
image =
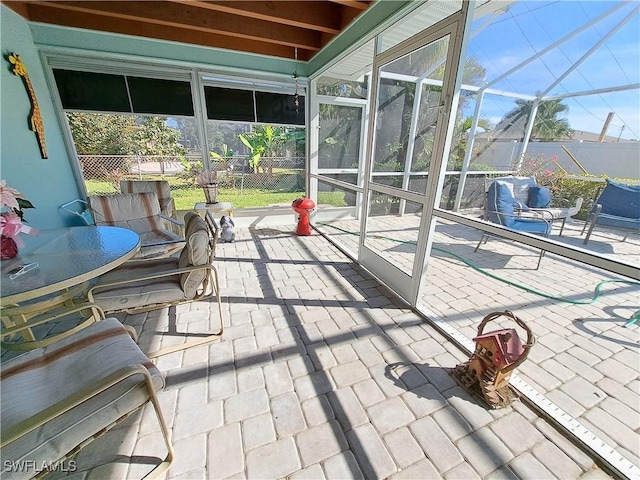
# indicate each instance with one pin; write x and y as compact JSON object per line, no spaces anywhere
{"x":500,"y":201}
{"x":532,"y":226}
{"x":620,"y":200}
{"x":539,"y":197}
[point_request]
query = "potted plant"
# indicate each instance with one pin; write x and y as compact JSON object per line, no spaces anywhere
{"x":209,"y":183}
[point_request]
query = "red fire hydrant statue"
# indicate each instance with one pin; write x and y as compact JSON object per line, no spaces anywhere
{"x":303,"y":207}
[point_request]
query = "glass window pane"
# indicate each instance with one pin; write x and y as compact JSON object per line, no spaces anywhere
{"x":338,"y":215}
{"x":415,"y":78}
{"x":338,"y":87}
{"x":279,"y":108}
{"x":420,"y":19}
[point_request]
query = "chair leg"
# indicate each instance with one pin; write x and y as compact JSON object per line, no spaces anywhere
{"x":584,"y":227}
{"x":484,"y":238}
{"x":199,"y":341}
{"x":159,"y":470}
{"x":586,"y":239}
{"x":542,"y":252}
{"x":564,"y":220}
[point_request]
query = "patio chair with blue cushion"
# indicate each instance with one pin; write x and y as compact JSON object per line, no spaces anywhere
{"x":58,"y":398}
{"x":530,"y":200}
{"x":500,"y":210}
{"x":618,"y":206}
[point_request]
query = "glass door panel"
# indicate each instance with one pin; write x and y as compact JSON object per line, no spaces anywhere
{"x":408,"y":103}
{"x":407,"y":132}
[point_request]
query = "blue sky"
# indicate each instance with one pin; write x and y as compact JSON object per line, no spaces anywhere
{"x":529,"y":27}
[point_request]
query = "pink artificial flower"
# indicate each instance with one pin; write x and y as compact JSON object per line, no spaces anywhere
{"x":8,"y":196}
{"x":12,"y":226}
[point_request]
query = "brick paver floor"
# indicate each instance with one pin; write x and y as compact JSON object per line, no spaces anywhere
{"x":323,"y":373}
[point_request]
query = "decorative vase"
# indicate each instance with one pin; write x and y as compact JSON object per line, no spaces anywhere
{"x":8,"y":248}
{"x":211,"y":192}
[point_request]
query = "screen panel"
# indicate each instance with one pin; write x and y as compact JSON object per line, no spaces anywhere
{"x":229,"y":104}
{"x":159,"y":96}
{"x":92,"y":91}
{"x":279,"y":108}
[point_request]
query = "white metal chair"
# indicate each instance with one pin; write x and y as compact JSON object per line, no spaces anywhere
{"x":141,"y":213}
{"x":139,"y":286}
{"x":59,"y":398}
{"x":160,"y":187}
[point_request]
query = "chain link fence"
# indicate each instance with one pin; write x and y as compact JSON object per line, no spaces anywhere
{"x":274,"y":180}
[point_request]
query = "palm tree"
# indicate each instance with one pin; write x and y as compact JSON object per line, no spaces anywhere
{"x":547,"y":126}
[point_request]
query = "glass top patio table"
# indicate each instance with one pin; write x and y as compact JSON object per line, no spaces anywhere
{"x":65,"y":257}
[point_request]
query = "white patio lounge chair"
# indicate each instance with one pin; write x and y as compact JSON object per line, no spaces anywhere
{"x":59,"y":398}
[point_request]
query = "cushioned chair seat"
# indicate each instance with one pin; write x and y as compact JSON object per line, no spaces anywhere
{"x":531,"y":226}
{"x":617,"y":206}
{"x":141,"y":213}
{"x":532,"y":201}
{"x":61,"y":373}
{"x":149,"y":284}
{"x":133,"y":296}
{"x":500,"y":210}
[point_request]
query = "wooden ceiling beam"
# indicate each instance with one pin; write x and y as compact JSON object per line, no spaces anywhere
{"x":45,"y":12}
{"x":313,"y":15}
{"x":170,"y":14}
{"x":361,"y":6}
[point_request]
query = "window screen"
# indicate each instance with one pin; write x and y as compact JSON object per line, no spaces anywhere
{"x":166,"y":97}
{"x":229,"y":104}
{"x":92,"y":91}
{"x":279,"y":108}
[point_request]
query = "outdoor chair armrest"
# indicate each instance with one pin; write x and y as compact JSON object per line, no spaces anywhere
{"x":172,"y":220}
{"x":151,"y":276}
{"x":518,"y":215}
{"x":95,"y":312}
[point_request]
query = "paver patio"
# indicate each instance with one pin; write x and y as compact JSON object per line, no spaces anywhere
{"x":323,"y":373}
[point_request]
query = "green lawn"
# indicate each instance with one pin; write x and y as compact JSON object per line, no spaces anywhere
{"x":186,"y":195}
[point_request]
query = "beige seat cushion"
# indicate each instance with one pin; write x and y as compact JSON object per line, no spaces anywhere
{"x":39,"y":379}
{"x":160,"y":187}
{"x":139,"y":212}
{"x":142,"y":293}
{"x":196,"y":252}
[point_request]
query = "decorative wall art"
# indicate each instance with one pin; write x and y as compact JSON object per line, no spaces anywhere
{"x":35,"y":118}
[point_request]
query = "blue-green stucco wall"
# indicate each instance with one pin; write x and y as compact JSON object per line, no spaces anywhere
{"x":47,"y":183}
